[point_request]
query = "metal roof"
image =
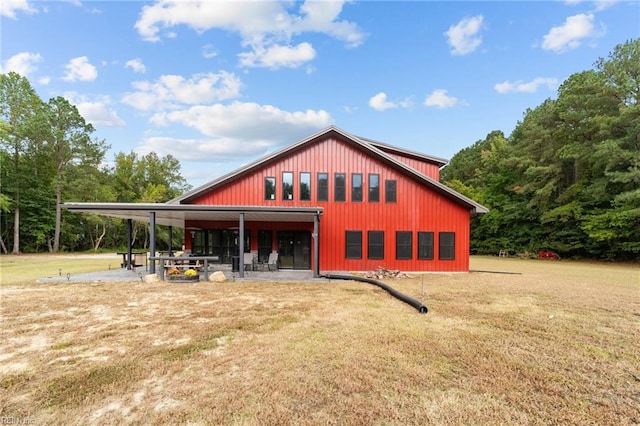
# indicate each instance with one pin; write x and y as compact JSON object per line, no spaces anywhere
{"x":375,"y":149}
{"x":177,"y":214}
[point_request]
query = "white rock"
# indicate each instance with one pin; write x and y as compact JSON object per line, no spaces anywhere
{"x":217,"y":277}
{"x":151,"y":278}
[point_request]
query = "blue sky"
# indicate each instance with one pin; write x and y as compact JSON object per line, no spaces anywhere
{"x":218,"y":84}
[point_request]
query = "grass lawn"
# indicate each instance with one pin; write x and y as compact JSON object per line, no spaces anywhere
{"x":555,"y":344}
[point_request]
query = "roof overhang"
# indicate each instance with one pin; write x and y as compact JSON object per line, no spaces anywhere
{"x":178,"y":214}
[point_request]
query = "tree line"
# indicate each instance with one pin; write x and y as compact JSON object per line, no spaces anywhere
{"x":48,"y":156}
{"x":567,"y":179}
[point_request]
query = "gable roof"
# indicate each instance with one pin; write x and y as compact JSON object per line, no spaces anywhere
{"x":406,"y":152}
{"x":372,"y":148}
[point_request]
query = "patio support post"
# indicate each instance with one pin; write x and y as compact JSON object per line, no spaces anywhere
{"x":171,"y":240}
{"x":128,"y":263}
{"x":316,"y":245}
{"x":241,"y":246}
{"x":152,"y":243}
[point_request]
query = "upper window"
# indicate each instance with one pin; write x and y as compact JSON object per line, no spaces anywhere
{"x":447,"y":248}
{"x":270,"y":188}
{"x":323,"y":187}
{"x":305,"y":186}
{"x":374,"y":188}
{"x":403,"y":245}
{"x":425,"y":245}
{"x":356,"y":187}
{"x":339,"y":188}
{"x":287,"y":186}
{"x":390,"y":188}
{"x":353,"y":240}
{"x":375,"y":244}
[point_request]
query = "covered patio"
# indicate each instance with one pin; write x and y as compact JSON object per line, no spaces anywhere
{"x":180,"y":215}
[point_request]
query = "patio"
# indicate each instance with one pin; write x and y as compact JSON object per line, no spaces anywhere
{"x":138,"y":274}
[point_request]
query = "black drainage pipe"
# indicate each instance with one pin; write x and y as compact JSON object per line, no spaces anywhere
{"x":395,"y":293}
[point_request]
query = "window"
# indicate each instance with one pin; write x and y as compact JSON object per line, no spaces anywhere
{"x":447,"y":247}
{"x":353,"y":249}
{"x":356,"y":187}
{"x":287,"y":186}
{"x":270,"y":188}
{"x":339,"y":187}
{"x":375,"y":249}
{"x":403,"y":245}
{"x":425,"y":245}
{"x":374,"y":188}
{"x":305,"y":186}
{"x":323,"y":187}
{"x":390,"y":191}
{"x":265,"y":245}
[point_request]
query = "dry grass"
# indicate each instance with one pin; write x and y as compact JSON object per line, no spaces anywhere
{"x":557,"y":344}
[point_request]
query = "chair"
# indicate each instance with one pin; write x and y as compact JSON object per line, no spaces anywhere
{"x":273,"y":261}
{"x":248,"y":262}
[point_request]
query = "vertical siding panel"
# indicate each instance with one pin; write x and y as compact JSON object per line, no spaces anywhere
{"x":416,"y":209}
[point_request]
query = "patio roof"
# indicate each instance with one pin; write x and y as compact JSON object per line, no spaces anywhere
{"x":177,"y":214}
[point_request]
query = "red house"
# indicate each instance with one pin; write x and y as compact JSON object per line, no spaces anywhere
{"x":330,"y":202}
{"x":370,"y":204}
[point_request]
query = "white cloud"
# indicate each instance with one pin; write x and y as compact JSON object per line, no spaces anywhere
{"x":44,"y":80}
{"x":249,"y":119}
{"x":267,"y":27}
{"x":9,"y":8}
{"x":235,"y":131}
{"x":572,"y":33}
{"x":80,"y":69}
{"x":439,"y":98}
{"x":24,"y":63}
{"x":526,"y":87}
{"x":276,"y":56}
{"x":598,"y":5}
{"x":208,"y":51}
{"x":96,"y":111}
{"x":136,"y":65}
{"x":171,"y":90}
{"x":379,"y":102}
{"x":463,"y":37}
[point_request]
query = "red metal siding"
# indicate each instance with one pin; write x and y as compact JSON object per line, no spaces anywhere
{"x":424,"y":167}
{"x":417,"y":208}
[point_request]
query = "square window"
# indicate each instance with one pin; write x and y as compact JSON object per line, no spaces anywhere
{"x":287,"y":186}
{"x":403,"y":245}
{"x":447,"y":248}
{"x":356,"y":187}
{"x":390,"y":188}
{"x":339,"y":187}
{"x":425,"y":245}
{"x":305,"y":186}
{"x":375,"y":247}
{"x":353,"y":247}
{"x":323,"y":187}
{"x":269,"y":188}
{"x":374,"y":188}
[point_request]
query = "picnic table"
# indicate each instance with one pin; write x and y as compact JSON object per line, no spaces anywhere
{"x":139,"y":259}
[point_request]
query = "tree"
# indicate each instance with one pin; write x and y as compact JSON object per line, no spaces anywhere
{"x":70,"y":146}
{"x":19,"y":109}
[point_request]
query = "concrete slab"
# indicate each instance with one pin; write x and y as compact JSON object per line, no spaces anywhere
{"x":125,"y":275}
